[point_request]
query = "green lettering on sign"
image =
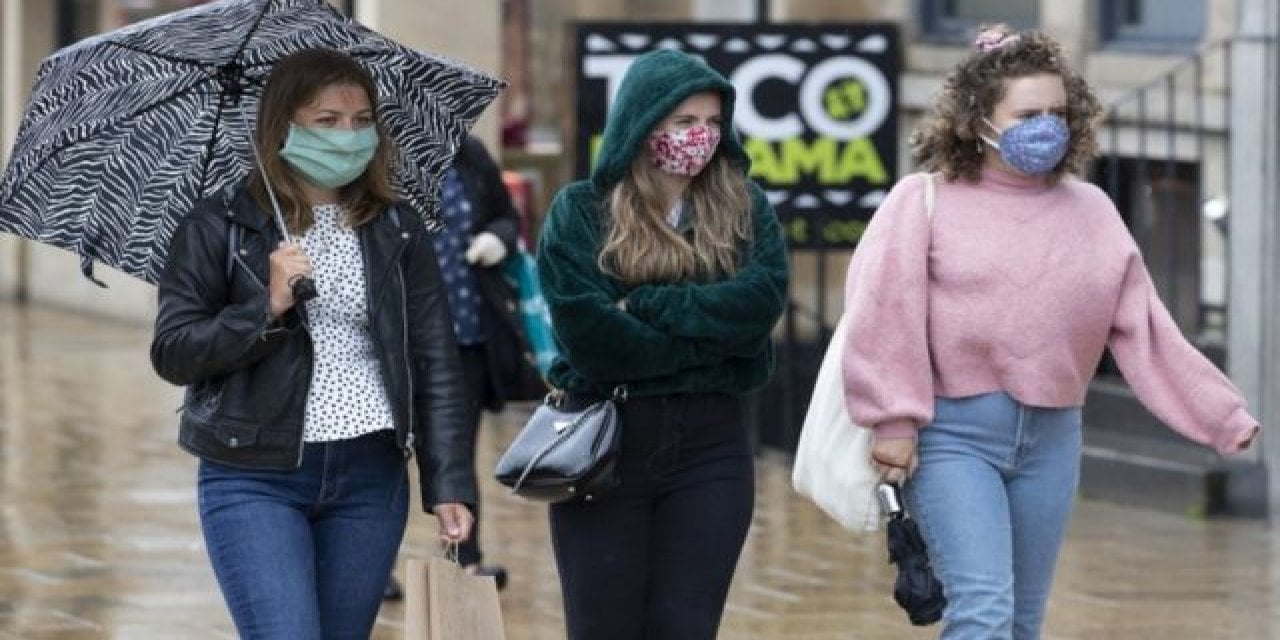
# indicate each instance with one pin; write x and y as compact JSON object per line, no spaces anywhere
{"x":797,"y":230}
{"x":861,"y":160}
{"x":784,"y":163}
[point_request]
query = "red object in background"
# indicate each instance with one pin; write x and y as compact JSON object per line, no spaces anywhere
{"x":515,"y":132}
{"x":521,"y":196}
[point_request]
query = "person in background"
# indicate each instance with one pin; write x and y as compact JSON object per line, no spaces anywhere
{"x":480,"y":230}
{"x":665,"y":274}
{"x":973,"y":334}
{"x":305,"y":414}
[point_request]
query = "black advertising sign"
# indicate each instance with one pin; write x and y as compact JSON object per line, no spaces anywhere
{"x":817,"y":110}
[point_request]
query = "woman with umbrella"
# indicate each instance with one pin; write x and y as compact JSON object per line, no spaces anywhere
{"x":971,"y":359}
{"x":303,"y":413}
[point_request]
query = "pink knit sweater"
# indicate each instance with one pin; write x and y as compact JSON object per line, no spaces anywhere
{"x":1016,"y":286}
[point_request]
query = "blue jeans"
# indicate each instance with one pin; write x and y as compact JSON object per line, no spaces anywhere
{"x":993,"y":495}
{"x":305,"y":554}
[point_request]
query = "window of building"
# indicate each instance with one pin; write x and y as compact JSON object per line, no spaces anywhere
{"x":958,"y":19}
{"x":79,"y":19}
{"x":1151,"y":23}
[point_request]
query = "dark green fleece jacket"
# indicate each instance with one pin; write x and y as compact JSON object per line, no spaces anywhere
{"x":682,"y":337}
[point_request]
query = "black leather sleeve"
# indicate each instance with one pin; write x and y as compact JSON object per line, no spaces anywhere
{"x":444,"y":444}
{"x":200,"y":332}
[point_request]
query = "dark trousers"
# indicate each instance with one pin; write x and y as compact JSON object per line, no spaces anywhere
{"x":474,"y":367}
{"x":653,"y":558}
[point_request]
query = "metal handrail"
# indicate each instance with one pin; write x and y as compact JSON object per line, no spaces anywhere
{"x":1194,"y":60}
{"x":1156,"y":160}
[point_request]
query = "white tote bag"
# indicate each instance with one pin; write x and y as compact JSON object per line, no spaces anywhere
{"x":833,"y":465}
{"x":833,"y":459}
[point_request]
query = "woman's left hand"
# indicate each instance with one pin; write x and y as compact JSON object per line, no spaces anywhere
{"x":455,"y":521}
{"x":486,"y":249}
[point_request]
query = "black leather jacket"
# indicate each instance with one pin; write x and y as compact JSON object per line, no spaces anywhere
{"x":247,"y":381}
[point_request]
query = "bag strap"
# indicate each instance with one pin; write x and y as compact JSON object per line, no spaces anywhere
{"x":930,"y":194}
{"x":561,"y":433}
{"x":556,"y":396}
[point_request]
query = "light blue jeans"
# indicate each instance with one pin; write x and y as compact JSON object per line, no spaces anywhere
{"x":993,"y":495}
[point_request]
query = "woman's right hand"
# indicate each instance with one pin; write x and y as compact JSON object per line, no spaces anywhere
{"x":288,"y":262}
{"x":896,"y":458}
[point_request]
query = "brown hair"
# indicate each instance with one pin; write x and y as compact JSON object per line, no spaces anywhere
{"x":294,"y":82}
{"x":947,"y":139}
{"x":642,"y":247}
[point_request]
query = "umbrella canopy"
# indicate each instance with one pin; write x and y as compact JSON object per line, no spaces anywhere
{"x":126,"y":130}
{"x":916,"y":589}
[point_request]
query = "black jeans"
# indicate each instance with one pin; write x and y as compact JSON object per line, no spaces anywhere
{"x":653,"y":558}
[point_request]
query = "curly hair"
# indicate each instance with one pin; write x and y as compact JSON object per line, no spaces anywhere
{"x":947,"y":140}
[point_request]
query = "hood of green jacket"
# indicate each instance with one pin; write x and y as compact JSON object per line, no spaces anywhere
{"x":655,"y":83}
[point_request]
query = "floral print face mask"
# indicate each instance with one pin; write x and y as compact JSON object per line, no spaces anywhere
{"x":684,"y":152}
{"x":1034,"y":146}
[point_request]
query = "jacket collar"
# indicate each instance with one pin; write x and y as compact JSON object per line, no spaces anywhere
{"x":244,"y":211}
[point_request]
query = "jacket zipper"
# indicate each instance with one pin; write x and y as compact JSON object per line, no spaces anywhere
{"x":311,"y":380}
{"x":404,"y":312}
{"x":306,"y":325}
{"x":404,"y":333}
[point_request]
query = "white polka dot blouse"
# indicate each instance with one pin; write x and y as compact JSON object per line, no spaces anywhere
{"x":347,"y":396}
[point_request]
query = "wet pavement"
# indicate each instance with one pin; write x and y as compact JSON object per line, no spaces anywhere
{"x":99,"y":538}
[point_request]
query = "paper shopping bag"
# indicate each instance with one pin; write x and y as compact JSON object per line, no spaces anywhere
{"x":444,"y":601}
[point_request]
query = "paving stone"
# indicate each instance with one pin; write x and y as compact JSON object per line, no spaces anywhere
{"x":99,"y":536}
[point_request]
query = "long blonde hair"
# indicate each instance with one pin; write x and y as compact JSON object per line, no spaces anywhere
{"x":641,"y":246}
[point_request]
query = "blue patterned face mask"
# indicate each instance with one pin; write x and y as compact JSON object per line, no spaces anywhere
{"x":329,"y":158}
{"x":1034,"y":146}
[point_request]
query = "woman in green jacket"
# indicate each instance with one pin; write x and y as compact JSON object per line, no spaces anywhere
{"x":665,"y":274}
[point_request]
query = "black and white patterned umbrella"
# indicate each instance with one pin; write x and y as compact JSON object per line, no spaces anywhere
{"x":126,"y":130}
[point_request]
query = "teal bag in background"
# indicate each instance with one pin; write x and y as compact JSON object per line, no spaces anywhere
{"x":522,"y":272}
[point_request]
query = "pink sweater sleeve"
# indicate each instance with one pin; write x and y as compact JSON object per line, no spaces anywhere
{"x":888,"y":378}
{"x":1169,"y":375}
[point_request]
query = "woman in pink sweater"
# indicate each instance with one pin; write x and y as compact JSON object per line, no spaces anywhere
{"x":973,"y":333}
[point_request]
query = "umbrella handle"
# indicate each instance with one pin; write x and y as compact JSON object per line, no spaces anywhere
{"x":890,"y":496}
{"x":303,"y":288}
{"x":271,"y":193}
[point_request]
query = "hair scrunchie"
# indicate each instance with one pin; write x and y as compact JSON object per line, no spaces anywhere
{"x":993,"y":38}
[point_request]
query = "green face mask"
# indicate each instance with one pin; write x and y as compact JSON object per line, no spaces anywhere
{"x":329,"y":158}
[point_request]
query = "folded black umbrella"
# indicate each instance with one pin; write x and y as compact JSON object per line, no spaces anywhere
{"x":916,"y":589}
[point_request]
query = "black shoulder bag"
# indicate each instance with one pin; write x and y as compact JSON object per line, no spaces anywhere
{"x":565,"y":452}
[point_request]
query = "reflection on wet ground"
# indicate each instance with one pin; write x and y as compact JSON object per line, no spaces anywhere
{"x":99,"y":539}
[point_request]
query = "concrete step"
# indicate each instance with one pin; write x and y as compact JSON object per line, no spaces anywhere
{"x":1131,"y":458}
{"x":1149,"y":472}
